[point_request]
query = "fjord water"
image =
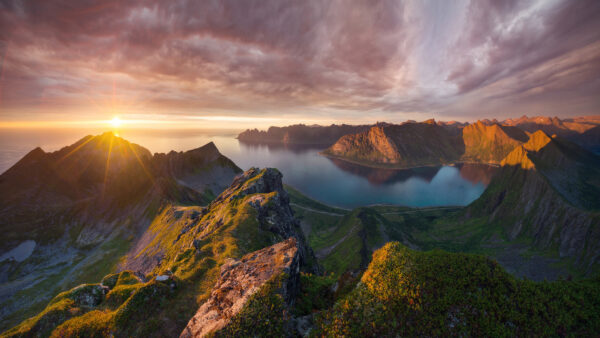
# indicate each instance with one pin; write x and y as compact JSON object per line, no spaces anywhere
{"x":334,"y":182}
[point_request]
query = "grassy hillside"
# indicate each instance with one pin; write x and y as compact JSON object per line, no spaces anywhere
{"x":193,"y":244}
{"x":408,"y":293}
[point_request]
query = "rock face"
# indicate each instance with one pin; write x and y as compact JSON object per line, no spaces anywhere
{"x":240,"y":279}
{"x":414,"y":144}
{"x":274,"y":211}
{"x":259,"y":194}
{"x":405,"y":145}
{"x":490,"y":143}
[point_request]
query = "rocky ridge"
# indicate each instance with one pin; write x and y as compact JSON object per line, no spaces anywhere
{"x":490,"y":143}
{"x":406,"y":145}
{"x":85,"y":204}
{"x":546,"y":192}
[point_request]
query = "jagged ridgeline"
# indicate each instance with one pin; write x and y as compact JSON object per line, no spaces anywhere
{"x":178,"y":260}
{"x":193,"y":247}
{"x":81,"y":208}
{"x":547,"y":194}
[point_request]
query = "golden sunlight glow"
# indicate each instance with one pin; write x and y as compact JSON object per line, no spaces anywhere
{"x":116,"y":122}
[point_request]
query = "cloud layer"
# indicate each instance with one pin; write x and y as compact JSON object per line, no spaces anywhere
{"x":337,"y":60}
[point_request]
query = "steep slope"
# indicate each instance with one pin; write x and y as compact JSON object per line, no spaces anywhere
{"x":181,"y":263}
{"x":349,"y":245}
{"x":411,"y":293}
{"x":405,"y":145}
{"x":82,"y":206}
{"x":547,"y":192}
{"x":203,"y":169}
{"x":589,"y":139}
{"x":490,"y":143}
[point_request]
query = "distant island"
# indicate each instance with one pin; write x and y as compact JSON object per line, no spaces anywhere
{"x":301,"y":134}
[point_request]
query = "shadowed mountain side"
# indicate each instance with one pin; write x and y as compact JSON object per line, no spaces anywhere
{"x":181,"y":256}
{"x":203,"y":169}
{"x":589,"y":139}
{"x":300,"y":134}
{"x":83,"y":206}
{"x":582,"y":130}
{"x":547,"y":191}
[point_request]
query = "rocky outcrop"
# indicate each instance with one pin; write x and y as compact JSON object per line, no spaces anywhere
{"x":399,"y":146}
{"x":269,"y":199}
{"x":414,"y":144}
{"x":178,"y":228}
{"x":490,"y":143}
{"x":240,"y":279}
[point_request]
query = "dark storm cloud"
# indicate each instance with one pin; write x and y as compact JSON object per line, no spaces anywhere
{"x":261,"y":57}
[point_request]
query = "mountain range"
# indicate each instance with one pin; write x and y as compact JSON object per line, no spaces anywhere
{"x":412,"y":144}
{"x":126,"y":243}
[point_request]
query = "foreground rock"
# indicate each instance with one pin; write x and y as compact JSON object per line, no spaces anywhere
{"x":240,"y":279}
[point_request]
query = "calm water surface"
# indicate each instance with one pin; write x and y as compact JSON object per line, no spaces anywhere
{"x":334,"y":182}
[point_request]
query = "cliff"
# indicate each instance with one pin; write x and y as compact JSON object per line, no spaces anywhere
{"x":405,"y":145}
{"x":490,"y":143}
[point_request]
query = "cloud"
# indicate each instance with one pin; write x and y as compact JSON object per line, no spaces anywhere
{"x":383,"y":60}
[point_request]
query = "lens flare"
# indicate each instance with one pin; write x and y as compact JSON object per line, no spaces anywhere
{"x":116,"y":122}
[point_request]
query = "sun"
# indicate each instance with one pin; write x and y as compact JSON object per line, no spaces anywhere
{"x":116,"y":122}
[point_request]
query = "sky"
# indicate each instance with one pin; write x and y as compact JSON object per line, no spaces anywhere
{"x":249,"y":63}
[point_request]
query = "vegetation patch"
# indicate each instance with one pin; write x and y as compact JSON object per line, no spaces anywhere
{"x":436,"y":293}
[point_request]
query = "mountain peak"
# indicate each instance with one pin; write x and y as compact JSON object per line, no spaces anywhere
{"x":518,"y":157}
{"x":537,"y":141}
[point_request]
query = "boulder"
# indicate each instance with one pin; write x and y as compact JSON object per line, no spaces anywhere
{"x":240,"y":279}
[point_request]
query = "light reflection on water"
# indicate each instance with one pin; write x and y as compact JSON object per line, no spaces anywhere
{"x":332,"y":181}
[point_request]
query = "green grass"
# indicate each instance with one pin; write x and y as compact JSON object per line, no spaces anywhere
{"x":298,"y":198}
{"x":436,"y":293}
{"x":229,"y":230}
